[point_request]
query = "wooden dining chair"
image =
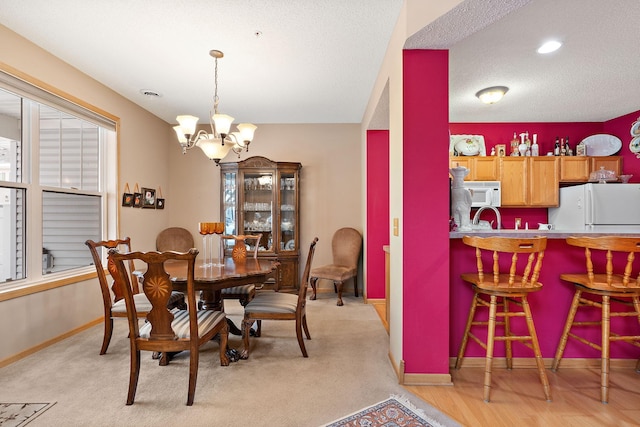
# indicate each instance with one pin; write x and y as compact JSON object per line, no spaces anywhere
{"x":611,"y":285}
{"x":499,"y":286}
{"x":112,"y":297}
{"x":280,"y":306}
{"x":244,"y":293}
{"x":346,"y":245}
{"x":167,"y":330}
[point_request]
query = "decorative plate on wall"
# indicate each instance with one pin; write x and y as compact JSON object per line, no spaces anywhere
{"x":602,"y":144}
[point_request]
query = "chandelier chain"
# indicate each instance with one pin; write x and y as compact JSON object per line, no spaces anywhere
{"x":216,"y":100}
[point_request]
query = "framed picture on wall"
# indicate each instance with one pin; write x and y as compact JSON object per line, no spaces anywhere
{"x":137,"y":200}
{"x":148,"y":198}
{"x":159,"y":203}
{"x":127,"y":199}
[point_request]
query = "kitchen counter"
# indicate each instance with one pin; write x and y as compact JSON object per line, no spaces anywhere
{"x":592,"y":230}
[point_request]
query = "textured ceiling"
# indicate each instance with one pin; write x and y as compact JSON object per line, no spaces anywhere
{"x":315,"y":61}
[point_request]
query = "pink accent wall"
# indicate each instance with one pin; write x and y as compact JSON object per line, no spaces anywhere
{"x":502,"y":133}
{"x":425,"y":263}
{"x":378,"y":224}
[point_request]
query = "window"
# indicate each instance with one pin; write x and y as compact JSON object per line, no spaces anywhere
{"x":54,"y":182}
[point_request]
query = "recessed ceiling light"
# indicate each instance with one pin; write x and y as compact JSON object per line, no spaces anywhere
{"x":550,"y":46}
{"x":150,"y":93}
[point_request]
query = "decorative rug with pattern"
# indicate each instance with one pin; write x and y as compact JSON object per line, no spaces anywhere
{"x":20,"y":414}
{"x":396,"y":411}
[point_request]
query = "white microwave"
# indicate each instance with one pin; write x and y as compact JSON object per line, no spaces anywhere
{"x":484,"y":193}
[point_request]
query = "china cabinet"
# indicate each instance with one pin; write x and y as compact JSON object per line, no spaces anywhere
{"x":260,"y":196}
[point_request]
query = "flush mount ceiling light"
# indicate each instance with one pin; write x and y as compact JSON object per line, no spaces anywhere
{"x":550,"y":46}
{"x":492,"y":94}
{"x":217,"y":144}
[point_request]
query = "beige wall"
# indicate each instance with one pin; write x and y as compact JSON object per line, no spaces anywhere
{"x":150,"y":156}
{"x":330,"y":180}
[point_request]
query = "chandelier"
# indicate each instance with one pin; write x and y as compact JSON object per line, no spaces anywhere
{"x":217,"y":144}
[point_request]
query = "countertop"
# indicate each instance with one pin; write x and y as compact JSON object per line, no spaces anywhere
{"x":592,"y":230}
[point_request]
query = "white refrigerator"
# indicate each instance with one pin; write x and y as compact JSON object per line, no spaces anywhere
{"x":597,"y":204}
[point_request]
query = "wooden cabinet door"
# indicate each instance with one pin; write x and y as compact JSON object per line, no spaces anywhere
{"x":484,"y":168}
{"x":513,"y":178}
{"x":287,"y":275}
{"x":481,"y":168}
{"x":461,"y":161}
{"x":543,"y":181}
{"x":610,"y":163}
{"x":574,"y":169}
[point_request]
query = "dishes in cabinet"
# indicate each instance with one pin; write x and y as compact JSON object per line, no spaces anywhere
{"x":291,"y":245}
{"x":602,"y":144}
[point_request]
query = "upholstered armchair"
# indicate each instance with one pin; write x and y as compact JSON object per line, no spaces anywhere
{"x":345,"y":247}
{"x":174,"y":239}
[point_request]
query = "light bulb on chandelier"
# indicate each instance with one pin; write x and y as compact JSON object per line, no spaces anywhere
{"x":217,"y":144}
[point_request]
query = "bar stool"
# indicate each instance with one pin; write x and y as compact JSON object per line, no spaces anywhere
{"x":609,"y":278}
{"x":502,"y":288}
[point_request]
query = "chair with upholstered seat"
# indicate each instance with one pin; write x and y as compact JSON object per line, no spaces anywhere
{"x":610,"y":285}
{"x":504,"y":285}
{"x":167,"y":330}
{"x":244,"y":293}
{"x":280,"y":306}
{"x":112,"y":298}
{"x":345,"y":248}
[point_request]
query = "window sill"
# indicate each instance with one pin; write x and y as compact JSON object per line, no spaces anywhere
{"x":24,"y":287}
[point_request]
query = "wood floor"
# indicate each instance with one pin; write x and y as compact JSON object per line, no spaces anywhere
{"x":517,"y":398}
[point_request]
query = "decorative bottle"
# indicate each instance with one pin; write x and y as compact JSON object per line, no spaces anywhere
{"x":514,"y":145}
{"x":535,"y":149}
{"x":523,"y":148}
{"x":556,"y":148}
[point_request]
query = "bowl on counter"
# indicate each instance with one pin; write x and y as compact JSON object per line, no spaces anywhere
{"x":625,"y":178}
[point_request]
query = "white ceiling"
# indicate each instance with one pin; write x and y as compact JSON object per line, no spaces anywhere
{"x":315,"y":61}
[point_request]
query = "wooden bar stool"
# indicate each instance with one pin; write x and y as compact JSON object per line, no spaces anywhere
{"x":511,"y":286}
{"x":609,"y":278}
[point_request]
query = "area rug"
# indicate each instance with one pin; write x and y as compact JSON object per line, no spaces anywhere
{"x":396,"y":411}
{"x":20,"y":414}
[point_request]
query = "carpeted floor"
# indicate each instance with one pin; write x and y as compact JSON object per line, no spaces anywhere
{"x":347,"y":369}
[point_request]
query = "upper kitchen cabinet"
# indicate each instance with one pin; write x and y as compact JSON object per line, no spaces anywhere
{"x":610,"y":163}
{"x":577,"y":169}
{"x":529,"y":181}
{"x":574,"y":169}
{"x":260,"y":196}
{"x":481,"y":168}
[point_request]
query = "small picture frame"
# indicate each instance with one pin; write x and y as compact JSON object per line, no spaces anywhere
{"x":501,"y":150}
{"x":137,"y":200}
{"x":159,"y":203}
{"x":148,"y":198}
{"x":127,"y":199}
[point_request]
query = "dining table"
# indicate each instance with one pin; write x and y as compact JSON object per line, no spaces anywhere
{"x":211,"y":278}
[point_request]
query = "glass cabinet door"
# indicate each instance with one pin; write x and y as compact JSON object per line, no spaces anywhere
{"x":258,"y":206}
{"x":229,"y":202}
{"x":288,"y":214}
